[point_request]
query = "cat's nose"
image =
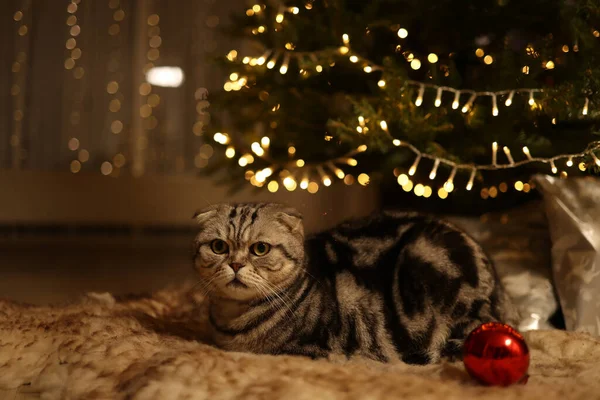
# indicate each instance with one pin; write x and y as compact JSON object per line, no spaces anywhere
{"x":236,"y":266}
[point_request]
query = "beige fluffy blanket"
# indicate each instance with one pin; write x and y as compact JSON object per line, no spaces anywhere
{"x":151,"y":348}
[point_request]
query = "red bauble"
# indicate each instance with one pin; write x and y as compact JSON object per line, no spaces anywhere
{"x":496,"y":354}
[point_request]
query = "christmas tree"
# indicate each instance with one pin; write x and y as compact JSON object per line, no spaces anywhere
{"x":445,"y":98}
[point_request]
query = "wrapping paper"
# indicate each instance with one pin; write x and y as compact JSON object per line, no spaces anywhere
{"x":518,"y":243}
{"x":573,"y":212}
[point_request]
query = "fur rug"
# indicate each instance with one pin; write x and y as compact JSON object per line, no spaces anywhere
{"x":152,"y":348}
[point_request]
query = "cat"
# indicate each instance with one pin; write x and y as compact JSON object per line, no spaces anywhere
{"x":389,"y":286}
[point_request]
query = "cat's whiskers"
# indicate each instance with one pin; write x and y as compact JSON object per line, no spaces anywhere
{"x":277,"y":291}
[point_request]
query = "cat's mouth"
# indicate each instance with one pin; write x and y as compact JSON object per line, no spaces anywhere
{"x":235,"y":282}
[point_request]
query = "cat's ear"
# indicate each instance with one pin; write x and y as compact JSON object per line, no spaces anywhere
{"x":205,"y":214}
{"x":290,"y":218}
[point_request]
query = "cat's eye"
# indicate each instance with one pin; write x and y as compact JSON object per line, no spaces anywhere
{"x":260,"y":248}
{"x":219,"y":246}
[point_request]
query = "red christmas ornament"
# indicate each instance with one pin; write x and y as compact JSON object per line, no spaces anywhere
{"x":496,"y":354}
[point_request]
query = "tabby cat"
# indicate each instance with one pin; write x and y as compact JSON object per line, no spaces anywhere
{"x":390,"y":286}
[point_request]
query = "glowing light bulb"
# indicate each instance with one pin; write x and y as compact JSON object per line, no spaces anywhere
{"x":402,"y":33}
{"x":531,"y":99}
{"x":438,"y":97}
{"x":304,"y":184}
{"x":290,"y":184}
{"x":471,"y":179}
{"x":381,"y":83}
{"x":396,"y":142}
{"x":273,"y":186}
{"x":494,"y":152}
{"x":326,"y":181}
{"x":368,"y":69}
{"x":279,"y":18}
{"x":344,"y":50}
{"x":363,"y":179}
{"x":352,"y":162}
{"x":455,"y":102}
{"x":319,"y":68}
{"x":508,"y":155}
{"x":383,"y":125}
{"x":403,"y":179}
{"x":509,"y":100}
{"x":230,"y":152}
{"x":526,"y":152}
{"x":570,"y":162}
{"x":488,"y":59}
{"x":284,"y":65}
{"x":300,"y":163}
{"x":553,"y":167}
{"x":353,"y":59}
{"x":415,"y":64}
{"x":419,"y":100}
{"x":243,"y":162}
{"x":585,"y":107}
{"x":549,"y":65}
{"x":413,"y":167}
{"x":494,"y":106}
{"x":234,"y":76}
{"x":362,"y":148}
{"x":469,"y":103}
{"x":432,"y":58}
{"x":433,"y":172}
{"x":294,"y":10}
{"x":345,"y":38}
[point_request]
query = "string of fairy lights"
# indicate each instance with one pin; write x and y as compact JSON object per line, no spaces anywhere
{"x":22,"y":19}
{"x":290,"y":171}
{"x":74,"y":57}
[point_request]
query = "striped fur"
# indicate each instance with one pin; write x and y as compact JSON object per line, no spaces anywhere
{"x":390,"y":286}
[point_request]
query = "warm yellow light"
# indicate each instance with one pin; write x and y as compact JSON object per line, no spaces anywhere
{"x":565,"y":49}
{"x":363,"y":179}
{"x":381,"y":83}
{"x":432,"y":58}
{"x":353,"y":59}
{"x":570,"y":162}
{"x":396,"y":142}
{"x":585,"y":107}
{"x":339,"y":173}
{"x":261,"y":29}
{"x":246,"y":60}
{"x":294,"y":10}
{"x":346,"y":38}
{"x":442,"y":193}
{"x":413,"y":167}
{"x":383,"y":125}
{"x":352,"y":162}
{"x":415,"y":64}
{"x":304,"y":184}
{"x":243,"y":162}
{"x":271,"y":64}
{"x":433,"y":172}
{"x":326,"y":181}
{"x":273,"y":186}
{"x":230,"y":152}
{"x":221,"y":138}
{"x":402,"y":33}
{"x":256,"y":8}
{"x":526,"y":152}
{"x":290,"y":183}
{"x":283,"y":69}
{"x":232,"y":55}
{"x":407,"y":187}
{"x":313,"y":187}
{"x":344,"y":50}
{"x":525,"y":70}
{"x":449,"y":186}
{"x":362,"y":148}
{"x":419,"y":190}
{"x":257,"y":149}
{"x":550,"y":65}
{"x":403,"y":179}
{"x":265,"y":142}
{"x":300,"y":163}
{"x":234,"y":76}
{"x":291,"y":150}
{"x":519,"y":185}
{"x":319,"y":68}
{"x":427,"y":192}
{"x":479,"y":53}
{"x":279,"y":18}
{"x":488,"y":59}
{"x":582,"y":166}
{"x":368,"y":69}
